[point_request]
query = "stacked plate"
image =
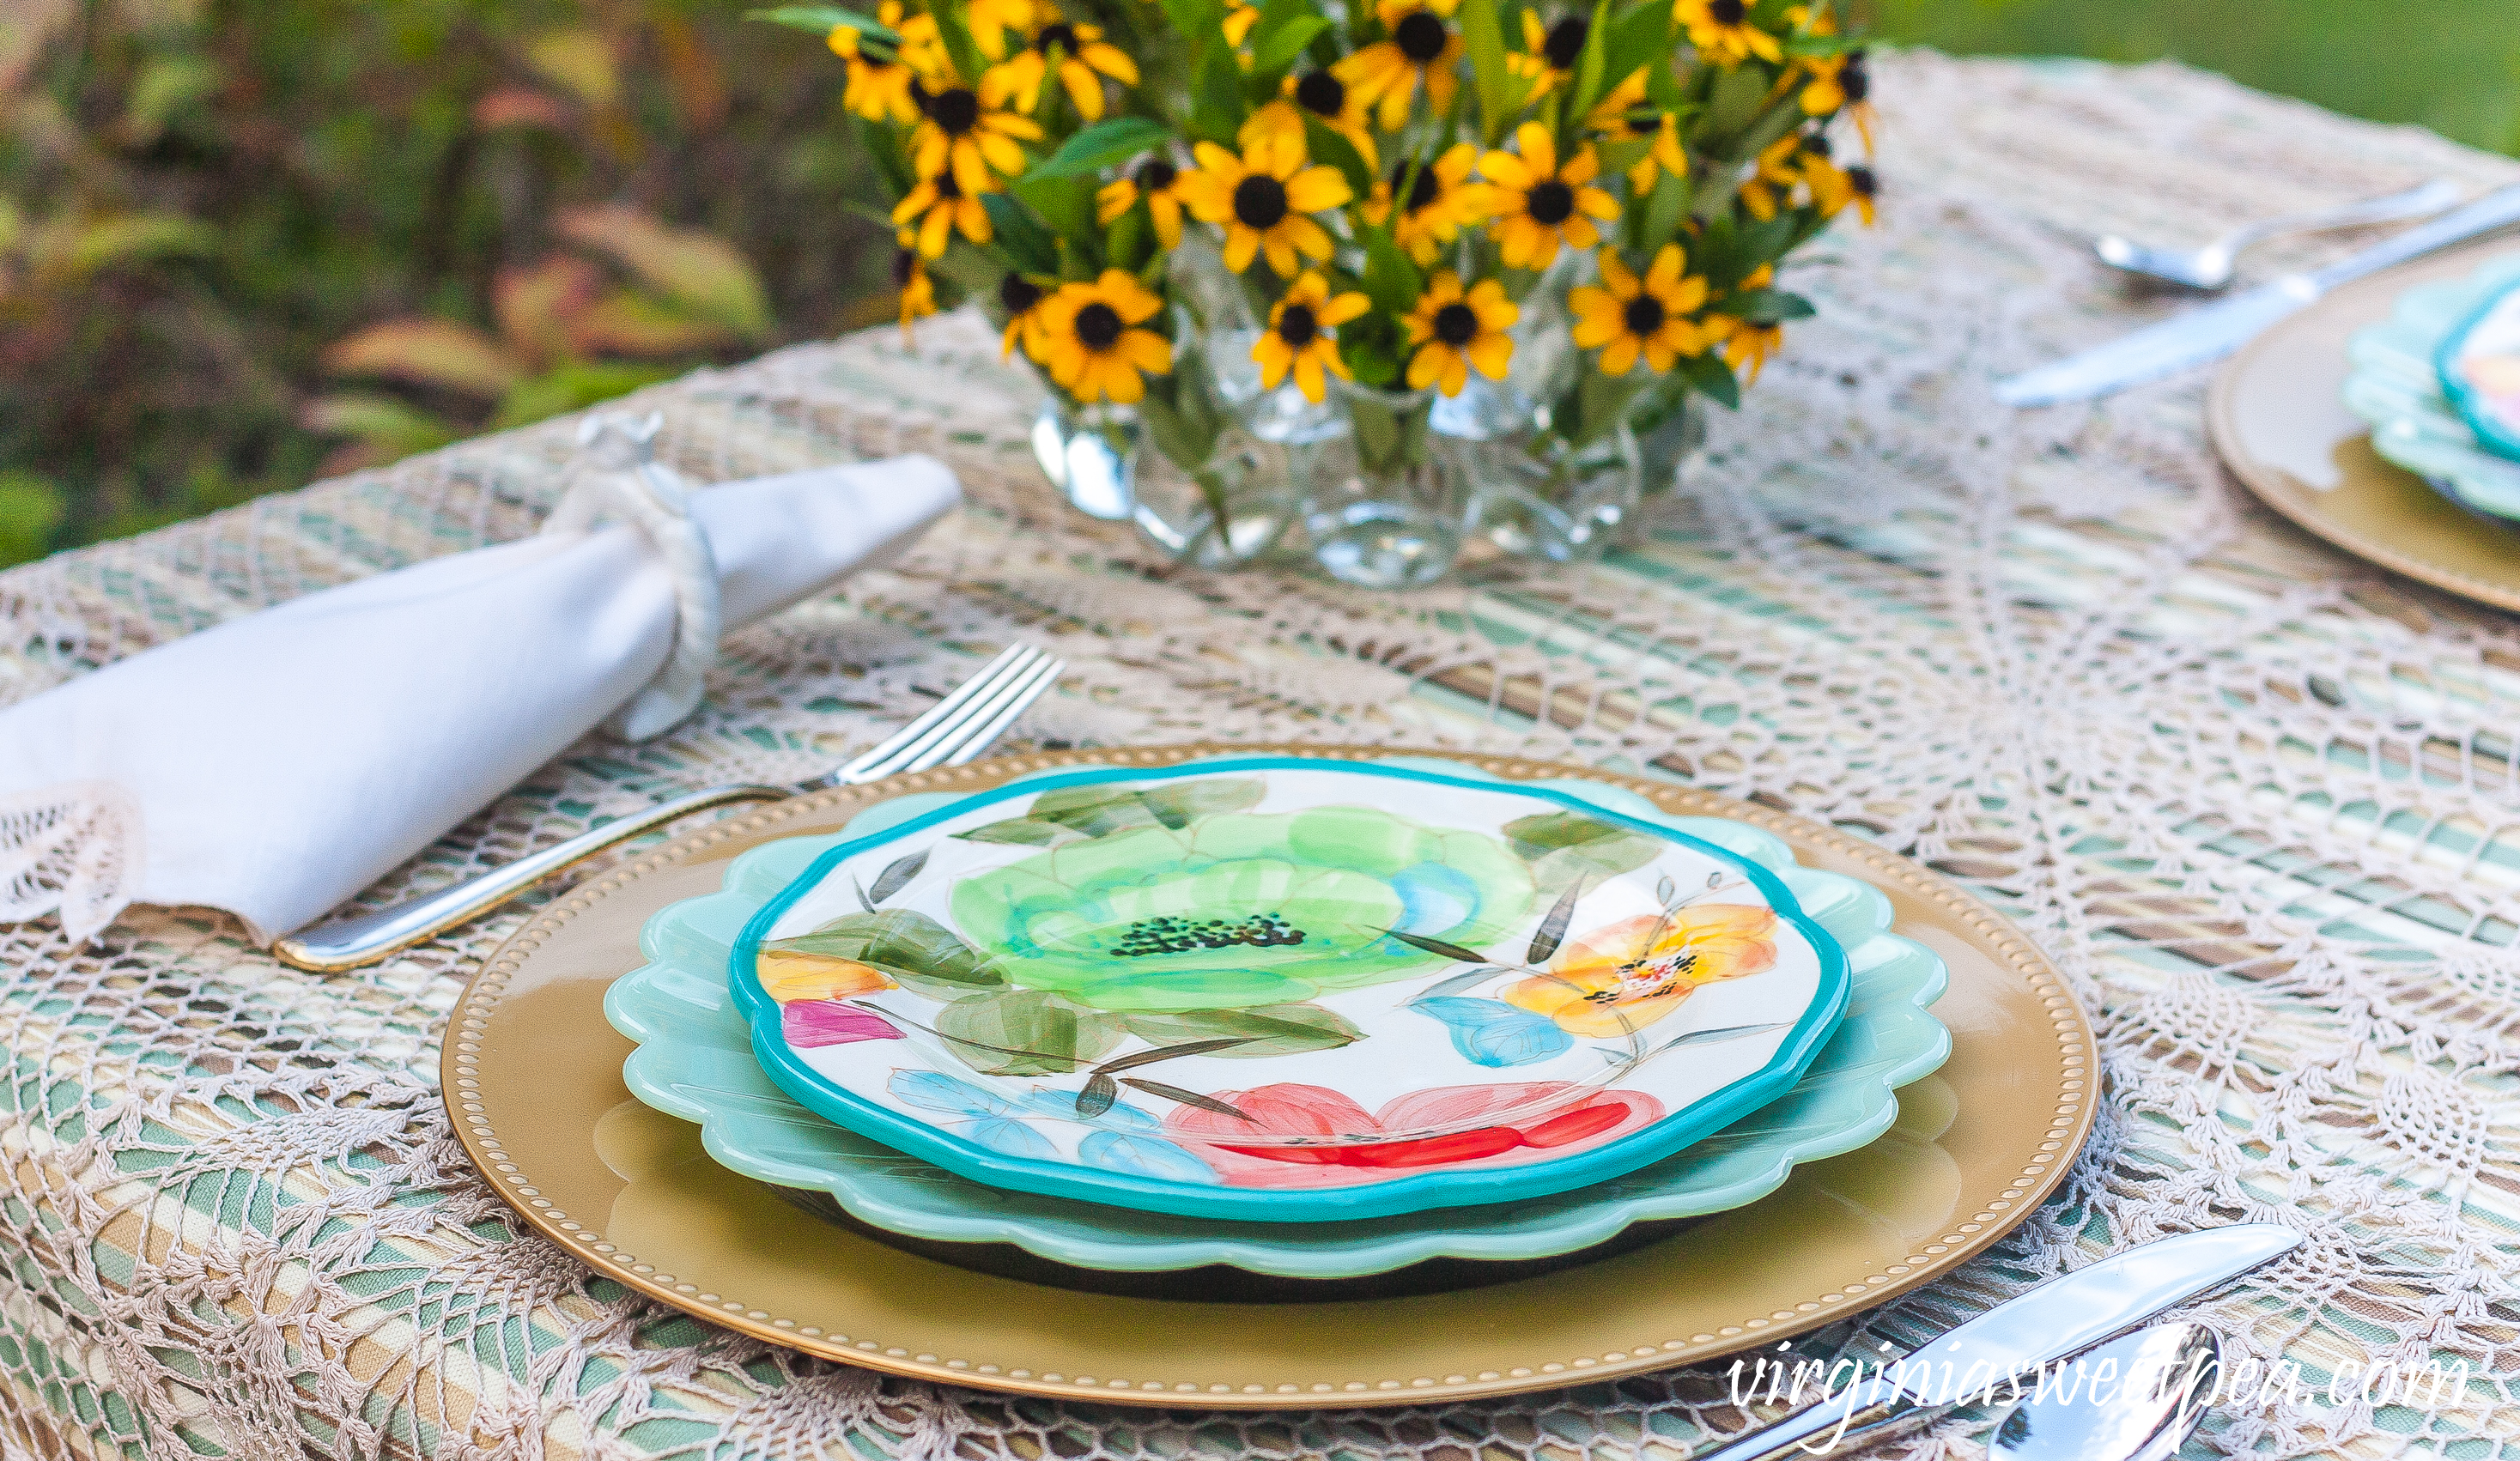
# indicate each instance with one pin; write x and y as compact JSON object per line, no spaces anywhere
{"x":1317,"y":1020}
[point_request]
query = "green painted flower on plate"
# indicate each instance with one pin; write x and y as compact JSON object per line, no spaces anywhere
{"x":1235,"y":910}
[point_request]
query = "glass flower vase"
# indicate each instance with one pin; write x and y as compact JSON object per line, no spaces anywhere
{"x":1383,"y":499}
{"x":1669,"y":423}
{"x":1179,"y":465}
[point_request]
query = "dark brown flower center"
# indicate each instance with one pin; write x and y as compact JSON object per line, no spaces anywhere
{"x":1641,"y":122}
{"x":1018,"y":293}
{"x":1421,"y":36}
{"x":955,"y":112}
{"x":1259,"y":201}
{"x":1457,"y":325}
{"x":1816,"y":144}
{"x":1057,"y":33}
{"x":1726,"y":12}
{"x":1642,"y":315}
{"x":905,"y":268}
{"x":1421,"y":188}
{"x":1156,"y":174}
{"x":1098,"y":325}
{"x":1322,"y":93}
{"x":1549,"y":201}
{"x":1565,"y":42}
{"x":1855,"y":80}
{"x":1296,"y":325}
{"x":1861,"y":178}
{"x":947,"y":190}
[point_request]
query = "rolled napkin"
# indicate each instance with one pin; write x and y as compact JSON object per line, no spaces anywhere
{"x":275,"y":765}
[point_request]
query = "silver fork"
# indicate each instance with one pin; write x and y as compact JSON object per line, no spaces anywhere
{"x":2212,"y":266}
{"x":966,"y":722}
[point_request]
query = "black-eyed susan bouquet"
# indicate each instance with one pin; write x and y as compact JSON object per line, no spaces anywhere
{"x":1379,"y":279}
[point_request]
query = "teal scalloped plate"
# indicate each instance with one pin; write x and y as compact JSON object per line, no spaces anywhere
{"x":696,"y":1061}
{"x":2396,"y":383}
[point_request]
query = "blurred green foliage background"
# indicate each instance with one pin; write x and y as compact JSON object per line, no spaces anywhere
{"x":248,"y":243}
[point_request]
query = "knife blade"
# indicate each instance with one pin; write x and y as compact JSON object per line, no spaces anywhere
{"x":2207,"y":335}
{"x":2051,"y":1322}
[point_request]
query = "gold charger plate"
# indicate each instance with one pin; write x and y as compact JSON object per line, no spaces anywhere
{"x":2276,"y":417}
{"x":532,"y":1077}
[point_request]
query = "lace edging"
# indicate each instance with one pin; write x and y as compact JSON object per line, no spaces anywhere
{"x":72,"y":848}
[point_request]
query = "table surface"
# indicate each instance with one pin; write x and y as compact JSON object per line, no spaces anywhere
{"x":2257,"y":800}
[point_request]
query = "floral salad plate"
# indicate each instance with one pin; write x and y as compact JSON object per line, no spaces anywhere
{"x":696,"y":1061}
{"x":1285,"y":990}
{"x":2439,"y":381}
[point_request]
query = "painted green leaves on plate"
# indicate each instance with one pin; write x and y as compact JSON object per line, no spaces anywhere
{"x":1026,"y":1033}
{"x":1085,"y":812}
{"x":920,"y":954}
{"x":1270,"y":1030}
{"x":1563,"y":846}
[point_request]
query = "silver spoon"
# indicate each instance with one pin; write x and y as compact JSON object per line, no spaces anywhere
{"x":2210,"y":267}
{"x":2162,"y":1384}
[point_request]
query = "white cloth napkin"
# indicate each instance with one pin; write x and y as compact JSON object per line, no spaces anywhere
{"x":277,"y":764}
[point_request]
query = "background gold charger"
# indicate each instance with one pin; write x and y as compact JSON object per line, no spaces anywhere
{"x":532,"y":1077}
{"x":2278,"y":418}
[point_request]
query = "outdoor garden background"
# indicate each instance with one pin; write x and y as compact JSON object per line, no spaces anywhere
{"x":247,"y":245}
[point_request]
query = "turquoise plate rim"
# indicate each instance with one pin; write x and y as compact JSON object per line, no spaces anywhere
{"x":2394,"y":382}
{"x":1436,"y":1190}
{"x":2489,"y":428}
{"x":697,"y":1080}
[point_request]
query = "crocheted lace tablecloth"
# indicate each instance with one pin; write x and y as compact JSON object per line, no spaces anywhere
{"x":2260,"y":803}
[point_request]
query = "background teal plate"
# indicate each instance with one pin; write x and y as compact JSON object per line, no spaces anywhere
{"x":696,"y":1062}
{"x":2395,"y":383}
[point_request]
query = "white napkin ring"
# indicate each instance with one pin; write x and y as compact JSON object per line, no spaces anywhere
{"x":630,"y":485}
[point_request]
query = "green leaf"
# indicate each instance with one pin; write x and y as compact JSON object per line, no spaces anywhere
{"x":1265,"y":1030}
{"x":1196,"y":20}
{"x":1664,"y":212}
{"x":1066,"y":204}
{"x":1439,"y":947}
{"x":924,"y":955}
{"x":1176,"y":804}
{"x":1136,"y":1059}
{"x":1099,"y":811}
{"x":1712,"y":377}
{"x":1637,"y":39}
{"x":1106,"y":144}
{"x":822,"y":20}
{"x":1020,"y":235}
{"x":897,"y":875}
{"x":1279,"y":49}
{"x":1767,"y":307}
{"x":1562,"y":847}
{"x":1483,"y":44}
{"x":1218,"y":103}
{"x":1592,"y":67}
{"x":1026,"y":1033}
{"x":1186,"y":1098}
{"x":1553,"y":929}
{"x":1391,"y":281}
{"x":1329,"y":147}
{"x":1020,"y":831}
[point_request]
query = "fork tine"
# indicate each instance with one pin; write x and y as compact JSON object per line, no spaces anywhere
{"x":993,"y":716}
{"x":987,"y":736}
{"x":874,"y":760}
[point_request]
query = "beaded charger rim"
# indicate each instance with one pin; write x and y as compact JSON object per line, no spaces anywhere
{"x":1997,"y":1178}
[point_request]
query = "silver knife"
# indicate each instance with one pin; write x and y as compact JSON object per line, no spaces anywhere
{"x":2208,"y":334}
{"x":2055,"y":1321}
